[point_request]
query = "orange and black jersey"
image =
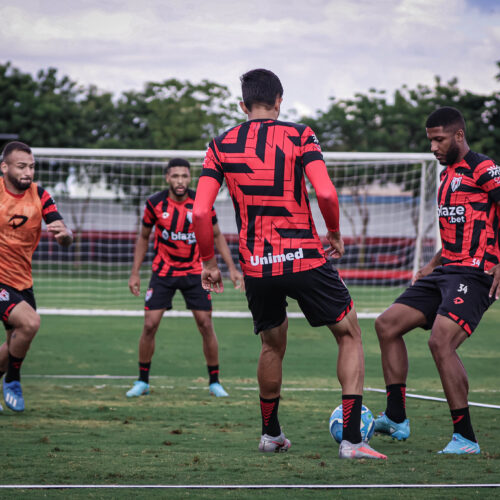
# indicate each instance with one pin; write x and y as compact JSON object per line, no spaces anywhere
{"x":263,"y":163}
{"x":20,"y":229}
{"x":468,"y":211}
{"x":176,"y":250}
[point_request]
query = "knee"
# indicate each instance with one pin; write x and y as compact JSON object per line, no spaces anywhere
{"x":205,"y":326}
{"x":150,"y":328}
{"x":31,"y":325}
{"x":384,"y":328}
{"x":436,"y":346}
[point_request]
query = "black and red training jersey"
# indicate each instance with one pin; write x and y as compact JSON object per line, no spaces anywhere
{"x":263,"y":162}
{"x":176,"y":250}
{"x":468,"y":211}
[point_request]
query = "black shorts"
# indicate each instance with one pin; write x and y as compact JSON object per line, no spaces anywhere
{"x":162,"y":289}
{"x":452,"y":291}
{"x":10,"y":297}
{"x":320,"y":293}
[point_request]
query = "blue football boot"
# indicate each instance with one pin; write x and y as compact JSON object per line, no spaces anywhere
{"x":13,"y":395}
{"x":217,"y":390}
{"x":461,"y":446}
{"x":385,"y":425}
{"x":139,"y":388}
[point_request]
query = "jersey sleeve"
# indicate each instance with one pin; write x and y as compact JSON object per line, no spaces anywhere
{"x":487,"y":176}
{"x":311,"y":150}
{"x":149,"y":217}
{"x":212,"y":166}
{"x":49,"y":207}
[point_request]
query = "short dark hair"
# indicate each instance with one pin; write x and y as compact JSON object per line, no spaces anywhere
{"x":260,"y":86}
{"x":10,"y":147}
{"x":446,"y":117}
{"x":177,"y":162}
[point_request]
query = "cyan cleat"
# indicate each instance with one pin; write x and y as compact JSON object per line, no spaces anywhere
{"x":461,"y":446}
{"x":13,"y":395}
{"x":217,"y":390}
{"x":385,"y":425}
{"x":139,"y":388}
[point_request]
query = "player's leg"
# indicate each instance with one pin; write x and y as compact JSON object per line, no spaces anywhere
{"x":269,"y":376}
{"x":325,"y":300}
{"x":446,"y":337}
{"x":350,"y":372}
{"x":24,"y":323}
{"x":210,"y":345}
{"x":152,"y":319}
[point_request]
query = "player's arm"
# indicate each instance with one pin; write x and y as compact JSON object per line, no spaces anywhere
{"x":141,"y":247}
{"x":62,"y":234}
{"x":428,"y":268}
{"x":223,"y":249}
{"x":495,"y":286}
{"x":206,"y":192}
{"x":328,"y":204}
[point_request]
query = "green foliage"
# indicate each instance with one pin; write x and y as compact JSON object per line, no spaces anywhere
{"x":373,"y":122}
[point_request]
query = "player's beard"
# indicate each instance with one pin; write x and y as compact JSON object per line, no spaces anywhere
{"x":452,"y":154}
{"x":180,"y":191}
{"x":20,"y":185}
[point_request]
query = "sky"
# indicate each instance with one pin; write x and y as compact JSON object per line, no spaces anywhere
{"x":319,"y":48}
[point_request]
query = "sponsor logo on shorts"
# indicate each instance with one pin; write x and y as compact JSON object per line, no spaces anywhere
{"x":189,"y":238}
{"x":149,"y":294}
{"x":454,"y":214}
{"x":4,"y":295}
{"x":256,"y":260}
{"x":458,"y":301}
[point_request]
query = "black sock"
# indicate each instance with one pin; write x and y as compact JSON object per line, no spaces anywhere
{"x":213,"y":373}
{"x":144,"y":372}
{"x":396,"y":402}
{"x":269,"y":412}
{"x":462,"y":424}
{"x":13,"y":368}
{"x":351,"y":417}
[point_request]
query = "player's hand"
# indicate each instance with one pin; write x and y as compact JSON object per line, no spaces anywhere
{"x":237,"y":279}
{"x":336,"y":248}
{"x":211,"y":278}
{"x":422,"y":272}
{"x":495,"y":286}
{"x":61,"y":233}
{"x":134,"y":284}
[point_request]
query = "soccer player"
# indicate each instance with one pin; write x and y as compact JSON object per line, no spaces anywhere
{"x":23,"y":205}
{"x":450,"y":294}
{"x":176,"y":266}
{"x":264,"y":162}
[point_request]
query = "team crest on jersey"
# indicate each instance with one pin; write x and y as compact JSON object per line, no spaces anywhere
{"x":4,"y":295}
{"x":149,"y":294}
{"x":189,"y":217}
{"x":455,"y":183}
{"x":165,"y":215}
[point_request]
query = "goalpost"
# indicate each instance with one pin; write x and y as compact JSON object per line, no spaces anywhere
{"x":388,"y":222}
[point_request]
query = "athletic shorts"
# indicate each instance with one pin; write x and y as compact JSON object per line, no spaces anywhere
{"x":10,"y":297}
{"x":452,"y":291}
{"x":162,"y":289}
{"x":320,"y":293}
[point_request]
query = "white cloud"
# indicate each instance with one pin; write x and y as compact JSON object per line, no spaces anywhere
{"x":319,"y":48}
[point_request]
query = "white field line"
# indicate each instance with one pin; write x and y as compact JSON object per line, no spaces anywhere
{"x":172,"y":314}
{"x":244,"y":486}
{"x":253,"y":388}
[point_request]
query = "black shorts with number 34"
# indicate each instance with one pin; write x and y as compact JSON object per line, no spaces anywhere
{"x":458,"y":293}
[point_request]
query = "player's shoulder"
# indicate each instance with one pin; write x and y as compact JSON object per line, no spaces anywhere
{"x":299,"y":127}
{"x":475,"y":160}
{"x":158,"y":197}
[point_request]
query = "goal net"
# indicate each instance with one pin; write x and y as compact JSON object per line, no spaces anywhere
{"x":388,"y":222}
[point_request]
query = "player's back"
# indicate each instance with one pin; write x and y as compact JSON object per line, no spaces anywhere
{"x":263,"y":163}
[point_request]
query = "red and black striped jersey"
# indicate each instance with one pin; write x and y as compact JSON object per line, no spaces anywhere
{"x":468,"y":211}
{"x":176,"y":250}
{"x":263,"y":163}
{"x":20,"y":229}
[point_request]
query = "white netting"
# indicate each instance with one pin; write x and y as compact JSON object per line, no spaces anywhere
{"x":387,"y":219}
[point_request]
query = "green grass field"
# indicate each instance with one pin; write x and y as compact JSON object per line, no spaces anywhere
{"x":85,"y":431}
